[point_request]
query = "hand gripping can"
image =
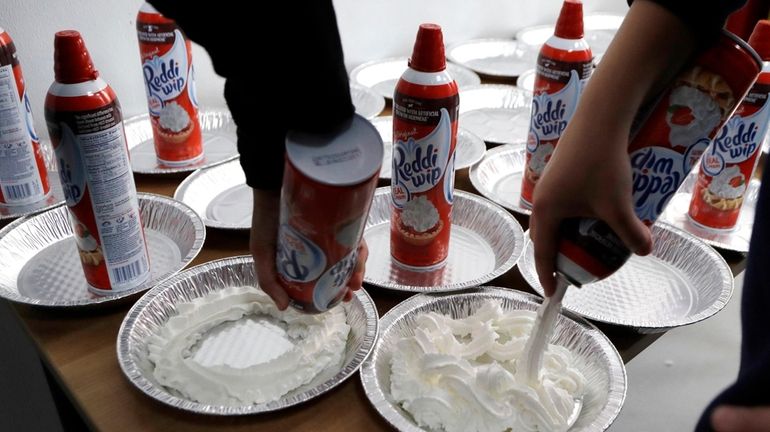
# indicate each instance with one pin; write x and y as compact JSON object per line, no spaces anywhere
{"x":564,"y":65}
{"x":169,"y":80}
{"x":86,"y":128}
{"x":328,"y":187}
{"x":425,"y":110}
{"x":23,"y":176}
{"x":728,"y":164}
{"x":663,"y":150}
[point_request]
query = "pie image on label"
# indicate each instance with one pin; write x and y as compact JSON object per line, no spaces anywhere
{"x":725,"y":192}
{"x":540,"y":158}
{"x":174,"y":123}
{"x":419,"y":223}
{"x":88,"y":248}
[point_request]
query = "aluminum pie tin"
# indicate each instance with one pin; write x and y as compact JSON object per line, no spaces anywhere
{"x":495,"y":57}
{"x":595,"y":355}
{"x":599,"y":28}
{"x":681,"y":282}
{"x":498,"y":176}
{"x":469,"y":150}
{"x":42,"y":266}
{"x":526,"y":81}
{"x":219,"y":195}
{"x":160,"y":303}
{"x":736,"y":239}
{"x":55,"y":195}
{"x":382,"y":75}
{"x":367,"y":102}
{"x":219,"y":143}
{"x":485,"y":242}
{"x":497,"y":114}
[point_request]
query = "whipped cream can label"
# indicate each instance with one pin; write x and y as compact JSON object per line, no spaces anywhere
{"x":729,"y":162}
{"x":668,"y":140}
{"x":86,"y":128}
{"x":170,"y":84}
{"x":422,"y":182}
{"x":23,"y":175}
{"x":320,"y":229}
{"x":563,"y":67}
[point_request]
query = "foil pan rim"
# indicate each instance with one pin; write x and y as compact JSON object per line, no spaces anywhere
{"x":475,"y":169}
{"x":196,"y":175}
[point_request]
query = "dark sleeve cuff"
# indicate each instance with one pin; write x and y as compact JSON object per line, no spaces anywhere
{"x":704,"y":18}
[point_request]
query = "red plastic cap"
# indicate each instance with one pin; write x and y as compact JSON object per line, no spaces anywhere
{"x":428,"y":53}
{"x":760,"y":39}
{"x":71,"y":61}
{"x":570,"y":22}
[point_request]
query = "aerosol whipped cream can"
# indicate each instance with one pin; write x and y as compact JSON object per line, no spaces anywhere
{"x":425,"y":111}
{"x":86,"y":128}
{"x":663,"y":150}
{"x":23,"y":176}
{"x":564,"y":65}
{"x":728,"y":164}
{"x":328,"y":187}
{"x":169,"y":79}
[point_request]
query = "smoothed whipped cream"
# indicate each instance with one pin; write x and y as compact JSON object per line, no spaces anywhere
{"x":173,"y":117}
{"x":420,"y":214}
{"x":721,"y":184}
{"x":306,"y":346}
{"x":460,"y":375}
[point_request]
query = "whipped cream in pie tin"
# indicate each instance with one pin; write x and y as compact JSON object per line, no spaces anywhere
{"x":219,"y":195}
{"x":595,"y":356}
{"x":42,"y":266}
{"x":498,"y":114}
{"x":494,"y":57}
{"x":219,"y":143}
{"x":382,"y":75}
{"x":498,"y":176}
{"x":736,"y":239}
{"x":485,"y":242}
{"x":681,"y":282}
{"x":367,"y":102}
{"x":155,"y":308}
{"x":470,"y":148}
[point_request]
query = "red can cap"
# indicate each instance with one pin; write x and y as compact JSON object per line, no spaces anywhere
{"x":428,"y":53}
{"x":760,"y":39}
{"x":71,"y":61}
{"x":570,"y":22}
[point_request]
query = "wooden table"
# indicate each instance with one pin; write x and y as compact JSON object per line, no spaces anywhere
{"x":79,"y":349}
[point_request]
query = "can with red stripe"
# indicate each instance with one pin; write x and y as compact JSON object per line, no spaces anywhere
{"x":564,"y":65}
{"x":169,"y":80}
{"x":23,"y":176}
{"x":86,"y":128}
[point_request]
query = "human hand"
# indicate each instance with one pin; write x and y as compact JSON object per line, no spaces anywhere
{"x":727,"y":418}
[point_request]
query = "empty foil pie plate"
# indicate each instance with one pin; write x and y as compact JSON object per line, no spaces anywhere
{"x":158,"y":305}
{"x":469,"y":150}
{"x":42,"y":266}
{"x":382,"y":75}
{"x":526,"y":80}
{"x":367,"y":102}
{"x":736,"y":239}
{"x":219,"y":143}
{"x":219,"y":195}
{"x":681,"y":282}
{"x":55,"y":195}
{"x":498,"y":176}
{"x":485,"y":242}
{"x":496,"y":113}
{"x":494,"y":57}
{"x":596,"y":357}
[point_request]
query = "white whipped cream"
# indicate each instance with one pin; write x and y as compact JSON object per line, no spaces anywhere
{"x":705,"y":111}
{"x":460,"y":375}
{"x":721,"y":187}
{"x":307,"y":345}
{"x":420,"y":214}
{"x":173,"y":117}
{"x":540,"y":158}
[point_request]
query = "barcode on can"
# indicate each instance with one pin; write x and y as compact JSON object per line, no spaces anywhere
{"x":18,"y":192}
{"x":129,"y":271}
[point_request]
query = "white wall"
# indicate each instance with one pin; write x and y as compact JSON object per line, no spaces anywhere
{"x":370,"y":29}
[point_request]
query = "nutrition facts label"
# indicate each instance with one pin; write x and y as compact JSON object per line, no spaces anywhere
{"x":19,"y":177}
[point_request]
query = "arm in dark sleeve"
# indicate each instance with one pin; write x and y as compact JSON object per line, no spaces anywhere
{"x":704,"y":18}
{"x":296,"y":74}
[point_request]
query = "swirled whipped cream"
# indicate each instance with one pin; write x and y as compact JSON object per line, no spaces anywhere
{"x":420,"y":214}
{"x":173,"y":117}
{"x":290,"y":348}
{"x":705,"y":112}
{"x":461,"y":375}
{"x":540,"y":158}
{"x":722,"y":184}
